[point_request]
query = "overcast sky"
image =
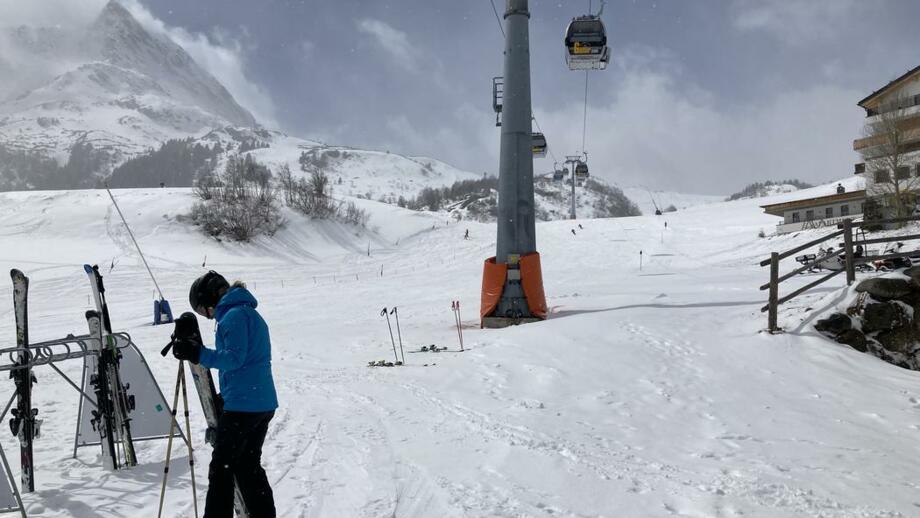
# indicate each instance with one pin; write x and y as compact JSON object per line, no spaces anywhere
{"x":702,"y":95}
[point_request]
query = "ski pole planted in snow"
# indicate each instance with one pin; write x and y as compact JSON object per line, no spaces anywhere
{"x":386,"y":313}
{"x":399,"y":334}
{"x":460,"y":326}
{"x":455,"y":307}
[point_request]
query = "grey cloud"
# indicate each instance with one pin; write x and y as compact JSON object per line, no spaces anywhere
{"x":796,"y":22}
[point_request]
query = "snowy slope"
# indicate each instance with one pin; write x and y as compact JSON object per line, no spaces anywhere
{"x":361,"y":173}
{"x":664,"y":199}
{"x":648,"y":393}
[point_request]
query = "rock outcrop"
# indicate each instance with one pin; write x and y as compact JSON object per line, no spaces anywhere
{"x":885,"y":321}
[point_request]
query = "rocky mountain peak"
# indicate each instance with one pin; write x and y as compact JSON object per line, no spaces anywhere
{"x":119,"y":39}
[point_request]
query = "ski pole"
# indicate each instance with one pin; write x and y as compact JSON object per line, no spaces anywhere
{"x":399,"y":334}
{"x":459,"y":326}
{"x":453,"y":309}
{"x":386,"y":313}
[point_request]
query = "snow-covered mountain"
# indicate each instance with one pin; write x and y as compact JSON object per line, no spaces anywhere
{"x":114,"y":86}
{"x":86,"y":100}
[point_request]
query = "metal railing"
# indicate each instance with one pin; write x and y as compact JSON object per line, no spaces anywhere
{"x":846,"y":250}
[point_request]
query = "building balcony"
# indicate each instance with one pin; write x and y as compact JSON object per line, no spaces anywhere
{"x":910,"y":138}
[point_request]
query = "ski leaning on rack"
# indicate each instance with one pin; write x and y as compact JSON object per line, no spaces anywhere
{"x":119,"y":403}
{"x":187,"y":329}
{"x":103,"y":420}
{"x":23,"y":422}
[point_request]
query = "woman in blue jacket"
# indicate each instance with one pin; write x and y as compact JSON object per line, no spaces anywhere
{"x":242,"y":356}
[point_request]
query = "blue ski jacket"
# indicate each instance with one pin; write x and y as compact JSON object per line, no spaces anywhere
{"x":243,"y":354}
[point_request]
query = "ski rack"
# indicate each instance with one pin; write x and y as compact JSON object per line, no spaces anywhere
{"x":44,"y":353}
{"x":38,"y":354}
{"x":19,"y":361}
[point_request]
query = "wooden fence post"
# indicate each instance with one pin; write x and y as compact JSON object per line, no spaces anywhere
{"x":774,"y":293}
{"x":848,"y":246}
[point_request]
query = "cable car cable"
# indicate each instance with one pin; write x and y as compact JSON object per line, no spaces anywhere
{"x":497,"y":18}
{"x":548,"y":148}
{"x":584,"y":124}
{"x":533,"y":117}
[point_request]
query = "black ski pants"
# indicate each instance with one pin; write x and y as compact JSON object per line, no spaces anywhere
{"x":238,"y":455}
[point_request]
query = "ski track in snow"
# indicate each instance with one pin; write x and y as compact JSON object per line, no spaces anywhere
{"x":648,"y":393}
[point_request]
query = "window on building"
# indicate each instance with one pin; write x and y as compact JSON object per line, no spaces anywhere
{"x":881,"y":176}
{"x":844,"y":210}
{"x":917,"y":170}
{"x":903,"y":173}
{"x":796,"y":217}
{"x":829,"y":212}
{"x":809,"y":215}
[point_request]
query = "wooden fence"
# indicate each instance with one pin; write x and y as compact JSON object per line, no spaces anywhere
{"x":846,"y":249}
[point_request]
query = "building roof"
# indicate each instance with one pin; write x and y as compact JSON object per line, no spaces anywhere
{"x":897,"y":82}
{"x":777,"y":209}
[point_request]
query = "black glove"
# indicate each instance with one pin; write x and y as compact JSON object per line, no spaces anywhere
{"x":188,"y":350}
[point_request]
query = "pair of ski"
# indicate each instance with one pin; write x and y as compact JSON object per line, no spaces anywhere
{"x":455,"y":308}
{"x":187,"y":329}
{"x":111,"y":418}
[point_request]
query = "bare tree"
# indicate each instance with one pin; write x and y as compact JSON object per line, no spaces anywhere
{"x":886,"y":156}
{"x":287,"y":182}
{"x":239,"y":203}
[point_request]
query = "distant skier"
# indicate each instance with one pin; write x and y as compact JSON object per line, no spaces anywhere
{"x":467,"y":234}
{"x":573,"y":232}
{"x":243,"y":360}
{"x":581,"y":227}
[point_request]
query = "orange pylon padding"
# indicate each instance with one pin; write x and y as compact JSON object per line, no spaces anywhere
{"x":532,"y":280}
{"x":493,"y":283}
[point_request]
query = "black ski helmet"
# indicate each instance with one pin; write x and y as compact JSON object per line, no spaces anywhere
{"x":205,"y":292}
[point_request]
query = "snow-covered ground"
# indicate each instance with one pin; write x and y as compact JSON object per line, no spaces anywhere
{"x":649,"y":392}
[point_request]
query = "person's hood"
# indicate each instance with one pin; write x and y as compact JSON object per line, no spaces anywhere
{"x":233,"y":298}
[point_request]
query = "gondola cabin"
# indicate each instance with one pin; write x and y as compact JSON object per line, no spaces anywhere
{"x":539,"y":145}
{"x":586,"y":44}
{"x":581,"y":171}
{"x":560,"y":174}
